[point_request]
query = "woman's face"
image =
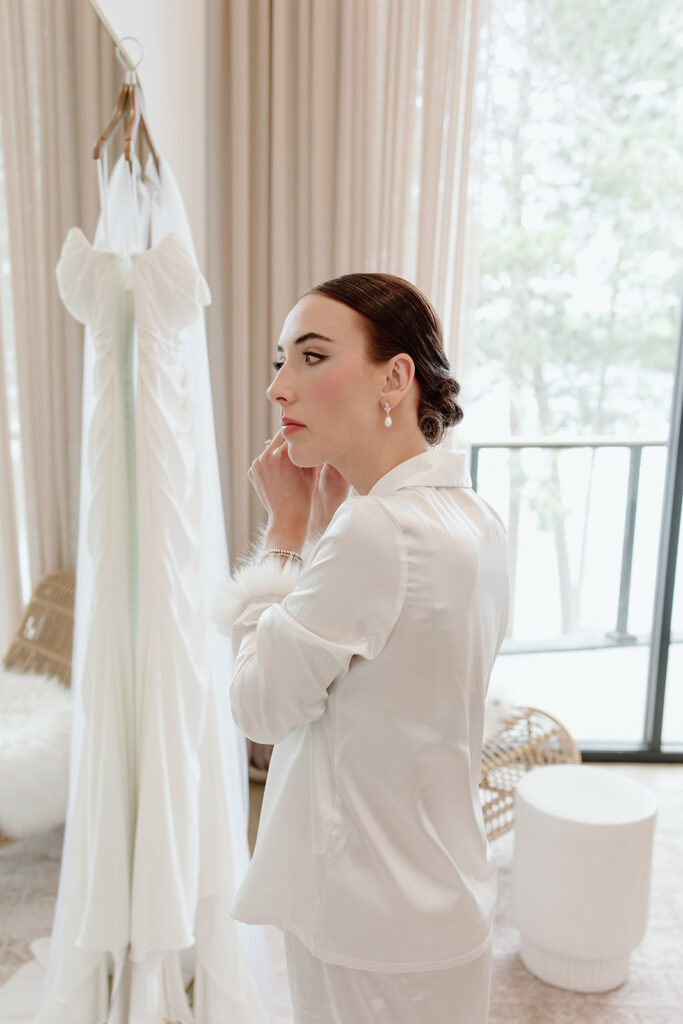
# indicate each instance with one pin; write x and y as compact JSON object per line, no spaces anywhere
{"x":328,"y":391}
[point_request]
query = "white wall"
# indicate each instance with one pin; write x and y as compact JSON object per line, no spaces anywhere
{"x":173,"y":77}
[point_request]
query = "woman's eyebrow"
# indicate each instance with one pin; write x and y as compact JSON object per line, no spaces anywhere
{"x":307,"y":337}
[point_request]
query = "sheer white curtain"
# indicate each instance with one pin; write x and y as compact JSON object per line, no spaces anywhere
{"x":340,"y":134}
{"x":10,"y":579}
{"x":58,"y":83}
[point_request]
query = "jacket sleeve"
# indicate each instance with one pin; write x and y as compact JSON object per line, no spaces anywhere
{"x":296,"y":632}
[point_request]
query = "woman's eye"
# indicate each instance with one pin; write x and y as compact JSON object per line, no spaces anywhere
{"x":311,"y":358}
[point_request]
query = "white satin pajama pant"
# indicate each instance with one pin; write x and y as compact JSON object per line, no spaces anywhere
{"x":324,"y":993}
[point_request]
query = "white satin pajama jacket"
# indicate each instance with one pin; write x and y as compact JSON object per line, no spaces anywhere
{"x":368,"y":668}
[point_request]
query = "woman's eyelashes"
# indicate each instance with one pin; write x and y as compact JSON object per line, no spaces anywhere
{"x":311,"y":358}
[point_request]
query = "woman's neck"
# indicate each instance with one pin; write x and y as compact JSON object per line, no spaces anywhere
{"x":375,"y":462}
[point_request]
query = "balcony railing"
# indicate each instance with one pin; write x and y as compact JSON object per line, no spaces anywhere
{"x":620,"y":635}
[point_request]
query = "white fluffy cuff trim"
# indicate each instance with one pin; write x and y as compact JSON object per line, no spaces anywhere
{"x":268,"y":583}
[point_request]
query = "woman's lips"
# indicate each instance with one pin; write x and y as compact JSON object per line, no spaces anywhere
{"x":288,"y":427}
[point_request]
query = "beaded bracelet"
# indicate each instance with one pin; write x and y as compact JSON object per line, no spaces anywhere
{"x":282,"y":553}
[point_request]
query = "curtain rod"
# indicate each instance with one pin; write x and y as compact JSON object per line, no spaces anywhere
{"x":117,"y":42}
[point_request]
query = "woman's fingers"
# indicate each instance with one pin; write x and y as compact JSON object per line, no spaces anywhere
{"x":272,"y":446}
{"x":284,"y":489}
{"x":277,"y":442}
{"x":270,"y":449}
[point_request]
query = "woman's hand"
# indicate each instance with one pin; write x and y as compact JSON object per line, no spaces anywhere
{"x":331,"y":489}
{"x":286,"y":492}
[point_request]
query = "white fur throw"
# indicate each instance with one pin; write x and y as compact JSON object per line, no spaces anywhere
{"x":35,"y":723}
{"x":271,"y":581}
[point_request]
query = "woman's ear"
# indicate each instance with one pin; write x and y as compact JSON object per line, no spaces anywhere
{"x":400,"y":375}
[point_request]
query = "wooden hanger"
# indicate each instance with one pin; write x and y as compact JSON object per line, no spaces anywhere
{"x":130,"y":106}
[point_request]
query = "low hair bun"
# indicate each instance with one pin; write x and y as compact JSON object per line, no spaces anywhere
{"x":438,"y":409}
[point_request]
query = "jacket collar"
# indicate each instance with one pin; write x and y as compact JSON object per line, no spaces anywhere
{"x":437,"y":467}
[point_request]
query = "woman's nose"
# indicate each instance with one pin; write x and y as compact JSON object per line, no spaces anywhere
{"x":278,"y":390}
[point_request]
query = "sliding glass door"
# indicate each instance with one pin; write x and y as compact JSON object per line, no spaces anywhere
{"x":571,"y":398}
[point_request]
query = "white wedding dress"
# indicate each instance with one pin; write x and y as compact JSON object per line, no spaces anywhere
{"x":156,"y":837}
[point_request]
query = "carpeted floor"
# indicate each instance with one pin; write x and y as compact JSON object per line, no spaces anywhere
{"x":653,"y":994}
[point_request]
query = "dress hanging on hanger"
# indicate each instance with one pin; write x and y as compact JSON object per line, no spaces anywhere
{"x":156,"y":838}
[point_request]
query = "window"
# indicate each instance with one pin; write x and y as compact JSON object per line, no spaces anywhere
{"x":576,"y":328}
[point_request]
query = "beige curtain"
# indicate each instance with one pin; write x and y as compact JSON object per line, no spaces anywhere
{"x":10,"y":580}
{"x":58,"y":84}
{"x":339,"y":141}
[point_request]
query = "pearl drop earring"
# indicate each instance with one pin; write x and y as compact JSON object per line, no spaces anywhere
{"x":387,"y":409}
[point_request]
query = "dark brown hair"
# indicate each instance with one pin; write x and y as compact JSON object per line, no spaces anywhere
{"x":400,"y":318}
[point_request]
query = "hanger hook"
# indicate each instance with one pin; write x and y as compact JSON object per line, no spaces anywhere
{"x":123,"y":60}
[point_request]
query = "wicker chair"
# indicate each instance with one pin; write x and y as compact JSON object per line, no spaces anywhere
{"x":43,"y":641}
{"x":528,"y":737}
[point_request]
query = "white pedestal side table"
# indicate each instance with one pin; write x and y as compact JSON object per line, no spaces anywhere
{"x":581,"y":873}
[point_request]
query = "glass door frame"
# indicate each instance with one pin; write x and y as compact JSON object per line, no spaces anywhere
{"x":650,"y":749}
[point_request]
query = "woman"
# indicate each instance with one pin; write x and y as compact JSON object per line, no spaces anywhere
{"x":366,"y":663}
